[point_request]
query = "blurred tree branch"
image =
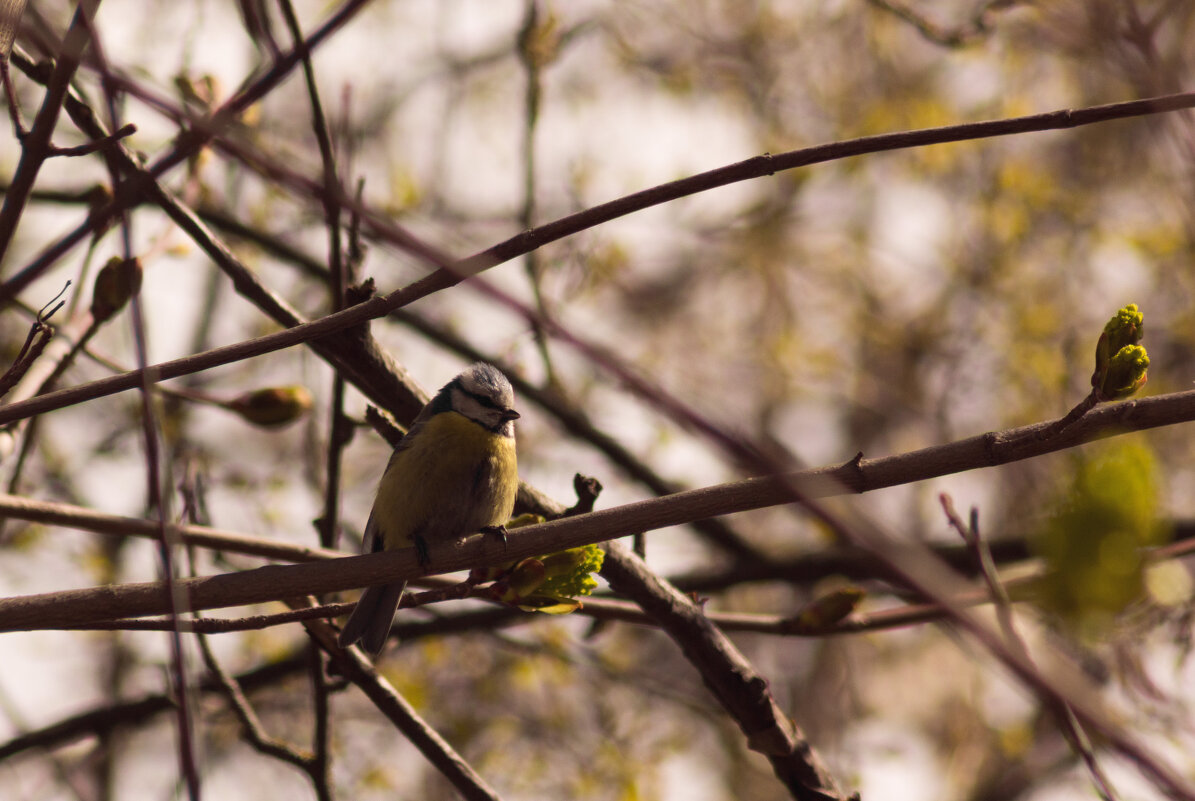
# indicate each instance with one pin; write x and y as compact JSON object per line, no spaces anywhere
{"x":857,"y":475}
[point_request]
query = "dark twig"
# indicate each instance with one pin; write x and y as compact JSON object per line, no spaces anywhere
{"x":523,"y":243}
{"x":36,"y":146}
{"x":1070,"y":418}
{"x":530,"y":50}
{"x":96,"y":145}
{"x":168,"y":543}
{"x":131,"y":193}
{"x":730,"y":677}
{"x":319,"y":766}
{"x":351,"y":664}
{"x":251,"y":725}
{"x":105,"y":718}
{"x":1070,"y":724}
{"x":78,"y":517}
{"x":14,"y":108}
{"x":275,"y":582}
{"x":216,"y":625}
{"x":36,"y":340}
{"x":987,"y":567}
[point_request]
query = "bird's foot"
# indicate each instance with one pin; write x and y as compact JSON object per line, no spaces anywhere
{"x":496,"y":531}
{"x":421,"y":554}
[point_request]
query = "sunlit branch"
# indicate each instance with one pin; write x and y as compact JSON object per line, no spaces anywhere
{"x":857,"y":475}
{"x":450,"y":274}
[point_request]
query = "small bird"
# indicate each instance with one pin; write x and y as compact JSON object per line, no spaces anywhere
{"x":454,"y":473}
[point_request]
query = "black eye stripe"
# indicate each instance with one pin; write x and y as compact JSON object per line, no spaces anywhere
{"x":482,"y":399}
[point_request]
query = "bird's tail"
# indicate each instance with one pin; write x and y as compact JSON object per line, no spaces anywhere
{"x":371,"y":619}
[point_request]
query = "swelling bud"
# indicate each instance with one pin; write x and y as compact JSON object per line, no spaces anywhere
{"x":118,"y":281}
{"x":274,"y":407}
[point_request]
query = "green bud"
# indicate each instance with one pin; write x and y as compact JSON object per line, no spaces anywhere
{"x":117,"y":282}
{"x":525,"y":578}
{"x":274,"y":407}
{"x":1127,"y":373}
{"x":550,"y":583}
{"x":1126,"y":327}
{"x":562,"y":563}
{"x":824,"y":611}
{"x":569,"y":572}
{"x":549,"y":605}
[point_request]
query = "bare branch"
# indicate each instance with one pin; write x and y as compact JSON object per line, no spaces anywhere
{"x":741,"y":691}
{"x":105,"y":718}
{"x":858,"y":475}
{"x":351,"y":664}
{"x":36,"y":146}
{"x":450,"y":274}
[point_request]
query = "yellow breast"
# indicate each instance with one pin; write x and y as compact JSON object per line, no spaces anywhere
{"x":453,"y":479}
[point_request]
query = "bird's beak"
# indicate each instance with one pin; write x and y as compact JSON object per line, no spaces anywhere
{"x":510,"y":414}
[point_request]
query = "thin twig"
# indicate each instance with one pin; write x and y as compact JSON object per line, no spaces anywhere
{"x":1073,"y":416}
{"x":78,"y":517}
{"x":987,"y":568}
{"x":36,"y":340}
{"x":14,"y":108}
{"x":186,"y":146}
{"x":1071,"y":727}
{"x":319,"y":767}
{"x":168,"y":544}
{"x":857,"y":475}
{"x":36,"y":146}
{"x":529,"y":48}
{"x":96,"y":145}
{"x":452,"y":273}
{"x":355,"y":667}
{"x":102,"y":719}
{"x":251,"y":725}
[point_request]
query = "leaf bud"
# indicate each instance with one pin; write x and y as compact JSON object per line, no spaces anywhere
{"x":1127,"y":372}
{"x":117,"y":282}
{"x":273,"y":407}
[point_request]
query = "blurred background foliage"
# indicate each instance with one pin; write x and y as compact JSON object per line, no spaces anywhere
{"x":875,"y":304}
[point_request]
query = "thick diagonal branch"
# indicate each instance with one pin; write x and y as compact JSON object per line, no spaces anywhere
{"x":741,"y":691}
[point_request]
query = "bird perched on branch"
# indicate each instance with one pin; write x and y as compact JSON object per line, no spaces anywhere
{"x":453,"y":474}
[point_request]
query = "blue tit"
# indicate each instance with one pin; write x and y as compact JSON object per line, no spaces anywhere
{"x":453,"y":474}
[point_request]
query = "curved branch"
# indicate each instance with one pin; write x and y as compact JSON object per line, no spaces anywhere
{"x":858,"y":475}
{"x":450,"y":273}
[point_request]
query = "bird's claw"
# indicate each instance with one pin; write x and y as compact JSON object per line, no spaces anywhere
{"x":421,"y":554}
{"x":496,"y":531}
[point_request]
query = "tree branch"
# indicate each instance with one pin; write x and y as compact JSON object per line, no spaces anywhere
{"x":741,"y":691}
{"x":36,"y":146}
{"x":856,"y":476}
{"x":451,"y":273}
{"x":356,"y":668}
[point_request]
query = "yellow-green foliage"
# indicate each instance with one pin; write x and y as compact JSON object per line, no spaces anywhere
{"x":1093,"y":544}
{"x":551,"y":583}
{"x":570,"y":573}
